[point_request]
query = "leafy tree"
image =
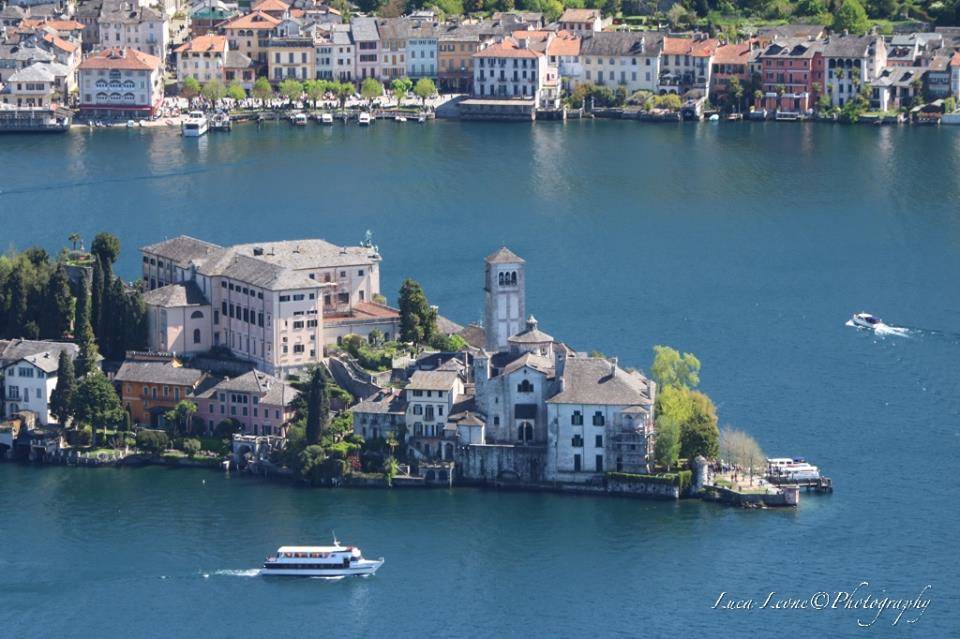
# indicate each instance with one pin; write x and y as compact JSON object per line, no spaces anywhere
{"x":291,"y":89}
{"x":735,"y":91}
{"x":344,"y":90}
{"x":318,"y":405}
{"x":315,"y":90}
{"x":57,"y":317}
{"x":190,"y":88}
{"x":424,"y":89}
{"x":236,"y":91}
{"x":418,"y":322}
{"x":152,"y":440}
{"x":262,"y":89}
{"x":666,"y":449}
{"x":180,"y":416}
{"x":371,"y":89}
{"x":74,"y":239}
{"x":448,"y":343}
{"x":700,"y":435}
{"x":190,"y":446}
{"x":83,"y":333}
{"x":214,"y":91}
{"x":106,"y":246}
{"x":851,"y":17}
{"x":670,"y":368}
{"x":97,"y":404}
{"x":62,"y":397}
{"x":400,"y":87}
{"x":739,"y":448}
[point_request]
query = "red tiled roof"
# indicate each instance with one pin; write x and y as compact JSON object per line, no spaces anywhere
{"x":201,"y":44}
{"x":564,"y":44}
{"x":507,"y":49}
{"x":119,"y":58}
{"x":270,"y":5}
{"x":60,"y":43}
{"x":689,"y":46}
{"x":255,"y":20}
{"x":732,"y":53}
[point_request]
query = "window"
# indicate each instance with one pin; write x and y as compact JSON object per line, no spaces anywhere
{"x":525,"y":386}
{"x":284,"y":298}
{"x":577,"y":418}
{"x":417,"y":409}
{"x":196,"y":336}
{"x":577,"y":441}
{"x":298,"y":348}
{"x":599,"y":467}
{"x":599,"y":441}
{"x":598,"y":419}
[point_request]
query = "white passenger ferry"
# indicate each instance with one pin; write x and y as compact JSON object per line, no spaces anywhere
{"x":319,"y":561}
{"x":788,"y":470}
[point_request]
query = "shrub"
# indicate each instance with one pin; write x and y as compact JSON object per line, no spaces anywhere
{"x":79,"y":436}
{"x":190,"y":446}
{"x":152,"y":440}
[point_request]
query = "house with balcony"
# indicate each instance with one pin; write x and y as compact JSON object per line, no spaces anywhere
{"x":259,"y":403}
{"x":732,"y":60}
{"x":250,"y":34}
{"x":293,"y":57}
{"x":686,"y":64}
{"x":135,"y":26}
{"x":621,"y":58}
{"x":851,"y":63}
{"x":581,"y":21}
{"x":512,"y":79}
{"x":203,"y":58}
{"x":456,"y":44}
{"x":28,"y":376}
{"x":791,"y":76}
{"x":120,"y":83}
{"x":366,"y":40}
{"x":149,"y":388}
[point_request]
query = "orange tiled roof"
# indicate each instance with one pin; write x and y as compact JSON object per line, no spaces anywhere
{"x":201,"y":44}
{"x":732,"y":53}
{"x":689,"y":46}
{"x":65,"y":25}
{"x":60,"y":43}
{"x":564,"y":44}
{"x":120,"y":58}
{"x":507,"y":49}
{"x":255,"y":20}
{"x":270,"y":5}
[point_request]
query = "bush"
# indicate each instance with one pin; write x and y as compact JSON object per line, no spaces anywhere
{"x":190,"y":446}
{"x":682,"y":479}
{"x":227,"y":428}
{"x":152,"y":440}
{"x":80,"y":436}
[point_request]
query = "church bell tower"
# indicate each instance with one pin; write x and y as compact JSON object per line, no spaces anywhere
{"x":505,"y":297}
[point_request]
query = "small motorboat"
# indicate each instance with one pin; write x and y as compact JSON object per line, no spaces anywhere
{"x":866,"y":320}
{"x":714,"y":118}
{"x":298,"y":119}
{"x":195,"y":124}
{"x":400,"y":118}
{"x":421,"y":118}
{"x":363,"y":118}
{"x":131,"y":124}
{"x":221,"y":121}
{"x":326,"y":118}
{"x":334,"y":561}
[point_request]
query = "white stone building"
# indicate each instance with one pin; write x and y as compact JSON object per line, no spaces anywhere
{"x":505,"y":300}
{"x":135,"y":26}
{"x":627,"y":59}
{"x":851,"y":63}
{"x":202,"y":58}
{"x":120,"y":83}
{"x":29,"y":375}
{"x":511,"y":69}
{"x":430,"y":397}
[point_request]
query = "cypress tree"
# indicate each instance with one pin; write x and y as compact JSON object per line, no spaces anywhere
{"x":61,"y":399}
{"x":57,"y":316}
{"x":16,"y":295}
{"x":112,"y":323}
{"x":135,"y":326}
{"x":87,"y":358}
{"x":418,"y":322}
{"x":96,"y":298}
{"x":318,"y":405}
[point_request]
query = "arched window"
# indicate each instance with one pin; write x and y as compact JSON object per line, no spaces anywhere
{"x":417,"y":409}
{"x":525,"y":386}
{"x":513,"y":278}
{"x":196,"y":315}
{"x":500,"y":279}
{"x":525,"y":432}
{"x":196,"y":336}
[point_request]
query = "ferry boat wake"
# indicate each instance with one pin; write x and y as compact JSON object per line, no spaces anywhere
{"x":329,"y":562}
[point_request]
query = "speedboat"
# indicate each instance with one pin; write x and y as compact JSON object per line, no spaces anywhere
{"x":326,"y":118}
{"x":363,"y":118}
{"x":866,"y":320}
{"x":131,"y":124}
{"x":319,"y":561}
{"x":298,"y":119}
{"x":220,"y":121}
{"x":195,"y":125}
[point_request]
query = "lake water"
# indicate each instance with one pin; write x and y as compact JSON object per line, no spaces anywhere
{"x":747,"y":244}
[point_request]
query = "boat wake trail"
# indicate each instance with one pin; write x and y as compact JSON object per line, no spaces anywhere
{"x":883,"y":330}
{"x":252,"y":572}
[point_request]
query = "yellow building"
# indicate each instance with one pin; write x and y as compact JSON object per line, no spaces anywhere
{"x":291,"y":57}
{"x":250,"y":35}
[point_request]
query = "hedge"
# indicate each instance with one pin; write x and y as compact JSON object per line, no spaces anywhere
{"x":681,"y":479}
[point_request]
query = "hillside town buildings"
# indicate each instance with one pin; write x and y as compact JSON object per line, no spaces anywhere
{"x":28,"y":376}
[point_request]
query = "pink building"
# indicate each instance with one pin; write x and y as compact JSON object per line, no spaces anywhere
{"x":791,"y":75}
{"x":259,"y":402}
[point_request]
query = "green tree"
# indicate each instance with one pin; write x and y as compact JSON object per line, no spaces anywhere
{"x":180,"y":416}
{"x":371,"y":89}
{"x":424,"y":89}
{"x":74,"y":239}
{"x":666,"y":449}
{"x":214,"y":91}
{"x":318,"y":405}
{"x":418,"y":322}
{"x":190,"y":446}
{"x":291,"y":89}
{"x":670,"y":368}
{"x":699,"y":435}
{"x":400,"y":87}
{"x":315,"y":90}
{"x":344,"y":91}
{"x":96,"y":403}
{"x":57,"y":318}
{"x":106,"y":246}
{"x":262,"y":89}
{"x":86,"y":361}
{"x":735,"y":91}
{"x":96,"y":294}
{"x":62,"y":397}
{"x":236,"y":91}
{"x":190,"y":88}
{"x":851,"y":17}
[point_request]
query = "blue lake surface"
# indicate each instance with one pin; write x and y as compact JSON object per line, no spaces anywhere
{"x":747,"y":244}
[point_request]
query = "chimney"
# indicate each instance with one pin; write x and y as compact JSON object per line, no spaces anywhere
{"x":613,"y":365}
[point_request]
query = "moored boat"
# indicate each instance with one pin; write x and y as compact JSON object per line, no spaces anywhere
{"x":363,"y":118}
{"x":326,"y":118}
{"x":319,"y":561}
{"x":298,"y":119}
{"x":195,"y":125}
{"x":221,"y":121}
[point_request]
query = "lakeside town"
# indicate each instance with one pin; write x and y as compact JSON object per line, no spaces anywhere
{"x":285,"y":359}
{"x":101,"y":62}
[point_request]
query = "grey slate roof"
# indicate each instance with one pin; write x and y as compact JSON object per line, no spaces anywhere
{"x":16,"y":349}
{"x":536,"y":362}
{"x":595,"y":380}
{"x":310,"y":253}
{"x":614,"y":43}
{"x":236,"y":60}
{"x":383,"y":403}
{"x":432,"y":380}
{"x":175,"y":295}
{"x":475,"y":335}
{"x":504,"y":256}
{"x":792,"y":48}
{"x":36,"y":72}
{"x":364,"y":29}
{"x":848,"y":46}
{"x":183,"y":249}
{"x":269,"y":389}
{"x":158,"y":373}
{"x":531,"y":334}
